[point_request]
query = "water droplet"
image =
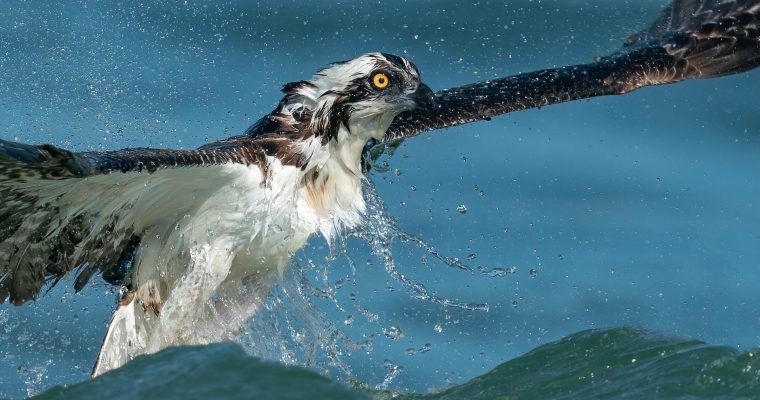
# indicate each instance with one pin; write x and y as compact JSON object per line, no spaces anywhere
{"x":410,"y":351}
{"x":397,"y":172}
{"x":367,"y":346}
{"x":393,"y":332}
{"x":472,"y":256}
{"x":349,"y":320}
{"x":438,"y":328}
{"x":533,"y":272}
{"x":462,"y":209}
{"x":425,"y":348}
{"x":498,"y":272}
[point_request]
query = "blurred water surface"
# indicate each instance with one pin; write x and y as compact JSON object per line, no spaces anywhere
{"x":638,"y":210}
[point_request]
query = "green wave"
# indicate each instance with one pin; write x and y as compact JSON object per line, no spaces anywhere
{"x":618,"y":363}
{"x":596,"y":364}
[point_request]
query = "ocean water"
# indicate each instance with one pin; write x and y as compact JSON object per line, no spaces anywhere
{"x":597,"y":364}
{"x":502,"y":259}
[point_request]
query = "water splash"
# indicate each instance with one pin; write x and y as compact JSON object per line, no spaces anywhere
{"x":316,"y":316}
{"x":380,"y":231}
{"x":34,"y":376}
{"x":293,"y":330}
{"x":394,"y":371}
{"x":393,"y":332}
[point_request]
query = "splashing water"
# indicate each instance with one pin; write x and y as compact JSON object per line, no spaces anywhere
{"x":296,"y":324}
{"x":34,"y":376}
{"x":380,"y":231}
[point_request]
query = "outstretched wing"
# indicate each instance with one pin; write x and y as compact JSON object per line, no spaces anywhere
{"x":62,"y":211}
{"x":48,"y":161}
{"x":691,"y":39}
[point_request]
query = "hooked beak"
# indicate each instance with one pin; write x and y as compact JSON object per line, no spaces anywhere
{"x":423,"y":97}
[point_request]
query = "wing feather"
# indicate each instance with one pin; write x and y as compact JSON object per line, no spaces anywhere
{"x":86,"y":212}
{"x":690,"y":39}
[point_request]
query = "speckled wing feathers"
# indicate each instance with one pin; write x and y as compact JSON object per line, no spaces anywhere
{"x":42,"y":239}
{"x":711,"y":38}
{"x":481,"y":101}
{"x":735,"y":18}
{"x":40,"y":242}
{"x":691,"y":39}
{"x":240,"y":150}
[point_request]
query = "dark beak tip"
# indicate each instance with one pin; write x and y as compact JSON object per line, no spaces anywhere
{"x":424,"y":97}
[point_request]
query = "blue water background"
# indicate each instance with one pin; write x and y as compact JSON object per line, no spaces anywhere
{"x":638,"y":210}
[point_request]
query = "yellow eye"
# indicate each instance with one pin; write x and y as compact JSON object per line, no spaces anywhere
{"x":380,"y":81}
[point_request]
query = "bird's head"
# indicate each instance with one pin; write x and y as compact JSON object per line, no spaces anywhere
{"x":362,"y":95}
{"x":372,"y":84}
{"x":323,"y":124}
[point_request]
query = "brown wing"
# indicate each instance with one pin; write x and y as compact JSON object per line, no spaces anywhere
{"x":691,"y":39}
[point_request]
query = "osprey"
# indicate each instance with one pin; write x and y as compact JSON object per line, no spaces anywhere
{"x":197,"y":237}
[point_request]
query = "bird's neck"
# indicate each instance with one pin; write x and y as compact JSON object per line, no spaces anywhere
{"x":332,"y":180}
{"x":351,"y":141}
